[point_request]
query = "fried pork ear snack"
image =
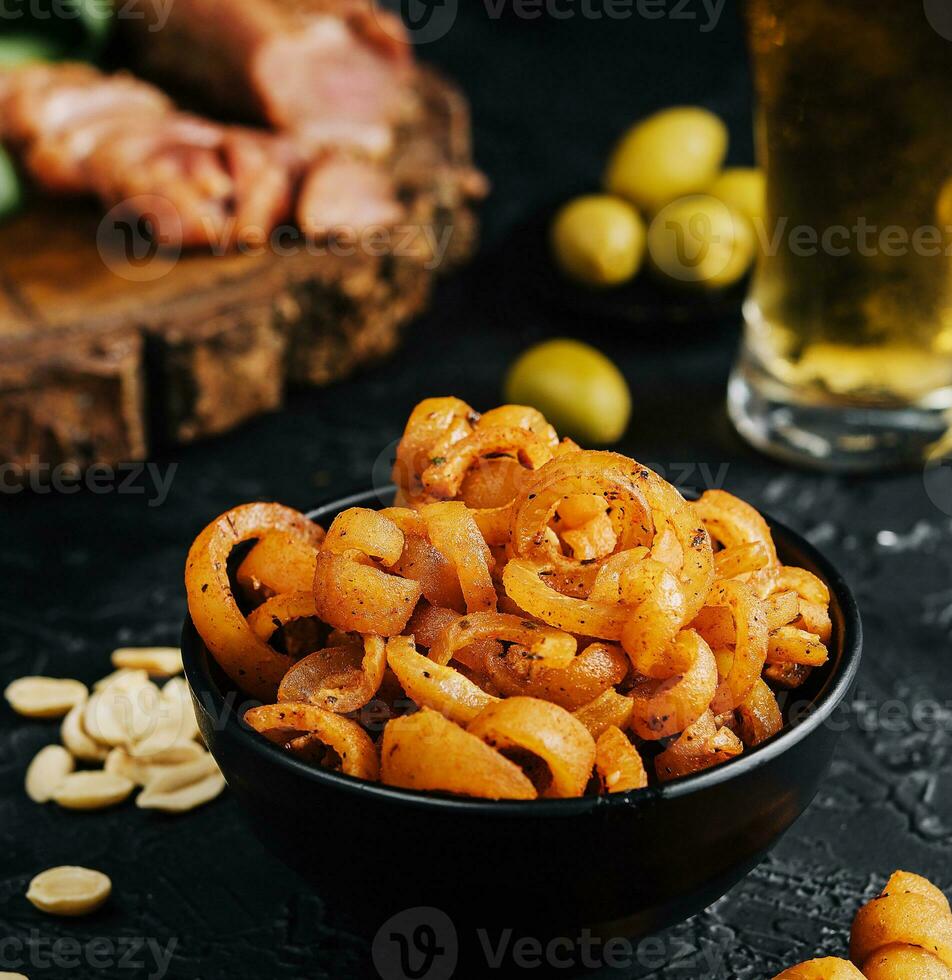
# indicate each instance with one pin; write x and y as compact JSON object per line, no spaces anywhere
{"x":702,"y":746}
{"x":617,"y":763}
{"x":283,"y":722}
{"x":555,"y":614}
{"x":434,"y":425}
{"x":427,"y":751}
{"x":327,"y":679}
{"x":597,"y":668}
{"x":909,"y":918}
{"x":905,"y":934}
{"x":661,"y":709}
{"x":280,"y":562}
{"x":608,"y":710}
{"x":547,"y":646}
{"x":545,"y":732}
{"x":829,"y":968}
{"x":432,"y":685}
{"x":351,"y":592}
{"x":248,"y":661}
{"x":456,"y":536}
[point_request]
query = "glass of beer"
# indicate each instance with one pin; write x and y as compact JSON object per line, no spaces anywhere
{"x":846,"y":361}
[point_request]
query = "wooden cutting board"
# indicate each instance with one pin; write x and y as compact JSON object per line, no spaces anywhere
{"x":106,"y":353}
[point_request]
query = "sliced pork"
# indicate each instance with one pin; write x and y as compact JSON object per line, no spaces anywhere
{"x":196,"y":182}
{"x":343,"y":195}
{"x":331,"y":72}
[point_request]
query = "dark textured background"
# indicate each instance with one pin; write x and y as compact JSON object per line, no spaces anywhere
{"x":80,"y":574}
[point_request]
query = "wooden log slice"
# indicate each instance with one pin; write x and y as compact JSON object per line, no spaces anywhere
{"x":107,"y":351}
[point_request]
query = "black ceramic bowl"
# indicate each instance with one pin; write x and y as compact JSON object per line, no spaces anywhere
{"x":626,"y":864}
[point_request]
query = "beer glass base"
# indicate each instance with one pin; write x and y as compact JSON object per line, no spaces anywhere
{"x":800,"y":428}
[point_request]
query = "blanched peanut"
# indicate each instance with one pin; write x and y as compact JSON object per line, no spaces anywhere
{"x":50,"y":766}
{"x":156,"y":661}
{"x":184,"y":787}
{"x":77,"y":739}
{"x":92,"y":790}
{"x":124,"y":710}
{"x":172,"y":724}
{"x":44,"y":697}
{"x":142,"y":771}
{"x":69,"y":890}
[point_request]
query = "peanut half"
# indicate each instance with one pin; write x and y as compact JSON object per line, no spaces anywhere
{"x":93,"y":789}
{"x":44,"y":775}
{"x":75,"y":737}
{"x":179,"y":788}
{"x":44,"y":697}
{"x":69,"y":890}
{"x":157,"y":661}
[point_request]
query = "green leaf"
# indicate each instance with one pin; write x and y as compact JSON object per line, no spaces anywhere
{"x":18,"y":49}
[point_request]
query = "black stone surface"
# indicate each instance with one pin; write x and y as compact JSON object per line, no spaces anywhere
{"x":83,"y":572}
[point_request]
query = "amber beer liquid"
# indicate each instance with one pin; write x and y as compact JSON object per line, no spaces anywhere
{"x":847,"y":353}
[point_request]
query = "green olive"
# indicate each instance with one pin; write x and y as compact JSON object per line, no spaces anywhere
{"x":699,"y":240}
{"x":744,"y":189}
{"x":674,"y":152}
{"x":11,"y":192}
{"x":598,"y":240}
{"x":577,"y":388}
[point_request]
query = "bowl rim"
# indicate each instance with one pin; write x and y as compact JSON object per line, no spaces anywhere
{"x":842,"y":676}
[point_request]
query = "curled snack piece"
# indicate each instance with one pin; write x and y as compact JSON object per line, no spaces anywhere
{"x":282,"y":722}
{"x":910,"y":916}
{"x":350,"y":591}
{"x":426,"y":751}
{"x":280,"y":562}
{"x":524,"y":584}
{"x":432,"y":685}
{"x":608,"y":710}
{"x":734,"y":523}
{"x":545,"y":732}
{"x":759,"y":715}
{"x":249,"y":662}
{"x":434,"y":423}
{"x":548,"y":646}
{"x":332,"y":680}
{"x":701,"y":746}
{"x":598,"y":667}
{"x":369,"y":531}
{"x":635,"y":494}
{"x":828,"y":968}
{"x":617,"y":763}
{"x":423,"y":563}
{"x":750,"y":648}
{"x":789,"y":645}
{"x":456,"y":536}
{"x":444,"y":477}
{"x":357,"y":597}
{"x":662,"y":709}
